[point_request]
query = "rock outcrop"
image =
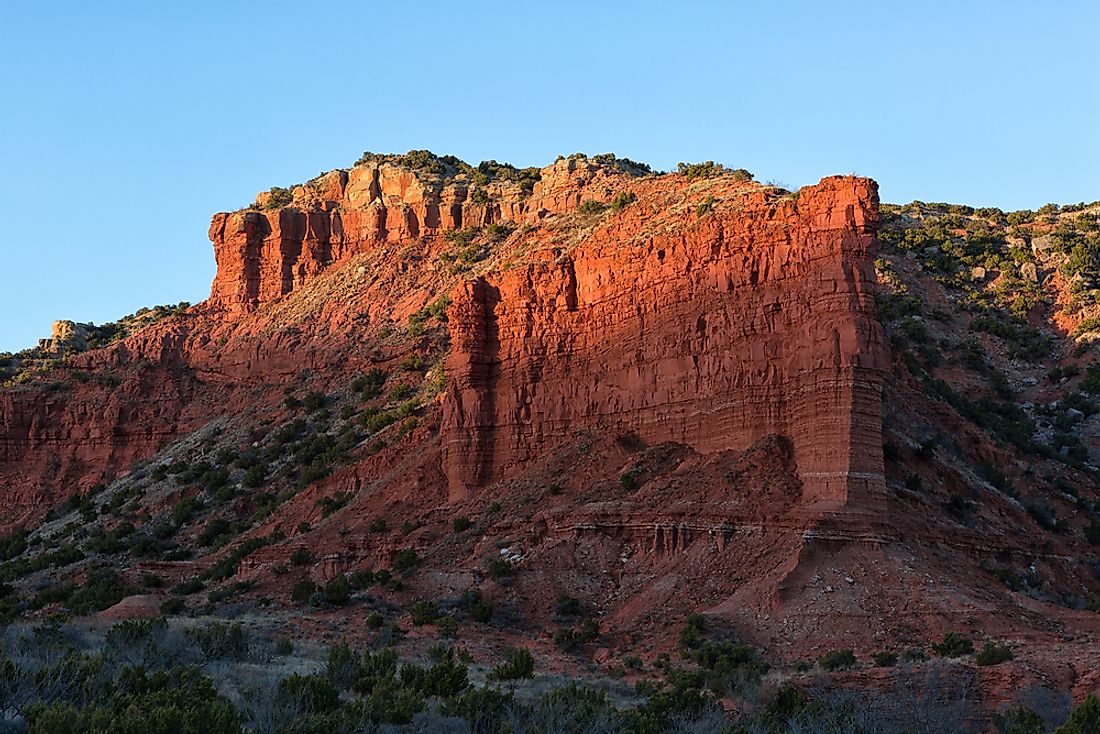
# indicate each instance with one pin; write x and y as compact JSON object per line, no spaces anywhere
{"x":757,"y":319}
{"x":66,"y":335}
{"x":267,"y":251}
{"x":61,"y":440}
{"x":667,"y":401}
{"x":711,"y":312}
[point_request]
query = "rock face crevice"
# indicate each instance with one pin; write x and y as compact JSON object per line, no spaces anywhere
{"x":713,"y":334}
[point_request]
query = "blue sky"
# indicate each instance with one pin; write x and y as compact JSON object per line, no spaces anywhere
{"x":126,"y":125}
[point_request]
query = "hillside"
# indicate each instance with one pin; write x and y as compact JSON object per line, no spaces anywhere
{"x":612,"y":416}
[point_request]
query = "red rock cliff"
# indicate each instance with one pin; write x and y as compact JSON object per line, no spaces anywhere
{"x":713,"y":331}
{"x":264,"y":253}
{"x":708,"y":312}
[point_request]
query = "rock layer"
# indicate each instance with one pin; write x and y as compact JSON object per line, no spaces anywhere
{"x":710,"y":313}
{"x":266,"y":252}
{"x":713,"y":333}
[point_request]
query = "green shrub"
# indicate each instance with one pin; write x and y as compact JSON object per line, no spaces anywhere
{"x":705,"y":206}
{"x":444,"y":679}
{"x":622,"y":200}
{"x":313,"y":693}
{"x":885,"y":659}
{"x":151,"y":581}
{"x":837,"y":660}
{"x":954,"y":645}
{"x":691,"y":634}
{"x":185,"y":509}
{"x":518,"y":664}
{"x":498,"y":568}
{"x":590,"y":207}
{"x":173,"y":605}
{"x":375,"y":420}
{"x":727,"y":664}
{"x":405,"y":560}
{"x":462,"y":524}
{"x":329,"y":505}
{"x":1019,"y":720}
{"x":218,"y":641}
{"x":189,"y":586}
{"x":1092,"y":532}
{"x":411,"y":363}
{"x":279,"y":197}
{"x":401,"y":392}
{"x":314,"y":401}
{"x":338,"y":591}
{"x":424,"y":612}
{"x":692,"y":171}
{"x":369,"y":385}
{"x":446,"y":627}
{"x":567,"y":606}
{"x":571,"y":639}
{"x":361,"y":578}
{"x":481,"y":609}
{"x":255,"y":476}
{"x":992,"y":654}
{"x":175,"y":701}
{"x":1085,"y":718}
{"x":303,"y":591}
{"x":102,"y":588}
{"x":301,"y":556}
{"x":436,"y":310}
{"x":216,"y":532}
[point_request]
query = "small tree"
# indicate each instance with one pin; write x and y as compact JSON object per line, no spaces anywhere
{"x":518,"y":663}
{"x":954,"y":645}
{"x":303,"y":591}
{"x":338,"y":591}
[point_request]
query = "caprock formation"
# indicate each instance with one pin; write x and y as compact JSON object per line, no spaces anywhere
{"x":657,"y":394}
{"x":711,"y":330}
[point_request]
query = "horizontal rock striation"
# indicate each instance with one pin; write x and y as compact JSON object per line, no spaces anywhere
{"x":267,"y":251}
{"x":713,"y":331}
{"x":59,"y":442}
{"x":710,"y":313}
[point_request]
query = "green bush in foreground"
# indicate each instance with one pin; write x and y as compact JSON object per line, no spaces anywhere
{"x":518,"y":663}
{"x":146,"y":677}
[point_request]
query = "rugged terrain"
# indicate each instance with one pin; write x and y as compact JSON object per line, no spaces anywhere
{"x":530,"y":400}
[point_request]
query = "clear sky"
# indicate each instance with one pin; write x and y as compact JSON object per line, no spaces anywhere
{"x":125,"y":125}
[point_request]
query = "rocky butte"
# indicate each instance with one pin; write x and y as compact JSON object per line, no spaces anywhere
{"x":714,"y":335}
{"x":658,"y":393}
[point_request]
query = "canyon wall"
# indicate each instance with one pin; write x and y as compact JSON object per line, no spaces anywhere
{"x":267,"y":251}
{"x":62,"y":439}
{"x":711,"y":312}
{"x":714,"y":332}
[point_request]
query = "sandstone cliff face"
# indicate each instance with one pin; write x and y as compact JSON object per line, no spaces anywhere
{"x":754,"y":320}
{"x":712,"y":327}
{"x":263,"y":254}
{"x":727,"y":325}
{"x":59,"y":442}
